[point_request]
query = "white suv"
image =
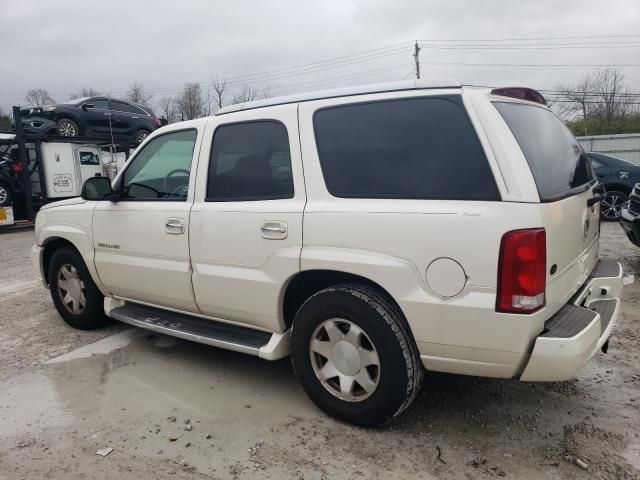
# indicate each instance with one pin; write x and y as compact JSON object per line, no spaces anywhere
{"x":372,"y":233}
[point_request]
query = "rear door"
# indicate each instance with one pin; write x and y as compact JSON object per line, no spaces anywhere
{"x":246,"y":222}
{"x":565,"y":182}
{"x":122,"y":118}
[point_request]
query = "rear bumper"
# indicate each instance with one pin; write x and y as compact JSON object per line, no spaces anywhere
{"x":631,"y":225}
{"x":579,"y":329}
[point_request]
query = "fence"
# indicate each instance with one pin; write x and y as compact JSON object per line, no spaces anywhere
{"x":625,"y":146}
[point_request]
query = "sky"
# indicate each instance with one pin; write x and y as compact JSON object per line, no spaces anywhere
{"x":292,"y":46}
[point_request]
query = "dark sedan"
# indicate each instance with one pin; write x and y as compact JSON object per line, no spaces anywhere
{"x":98,"y":117}
{"x":630,"y":216}
{"x":618,"y":177}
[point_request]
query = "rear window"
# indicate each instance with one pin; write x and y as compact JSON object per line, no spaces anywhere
{"x":558,"y":164}
{"x":418,"y":148}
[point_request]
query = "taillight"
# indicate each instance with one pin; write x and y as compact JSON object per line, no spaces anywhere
{"x":522,"y":271}
{"x":16,"y":167}
{"x":157,"y":121}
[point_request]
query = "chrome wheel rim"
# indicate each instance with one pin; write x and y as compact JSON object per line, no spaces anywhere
{"x":4,"y":195}
{"x":67,"y":129}
{"x":142,"y":136}
{"x":344,"y":360}
{"x":612,"y":204}
{"x":71,"y":289}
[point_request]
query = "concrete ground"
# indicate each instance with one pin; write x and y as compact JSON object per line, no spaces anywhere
{"x":174,"y":409}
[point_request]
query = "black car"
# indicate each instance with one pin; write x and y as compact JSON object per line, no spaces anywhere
{"x":618,"y":177}
{"x":10,"y":172}
{"x":630,"y":216}
{"x":94,"y":117}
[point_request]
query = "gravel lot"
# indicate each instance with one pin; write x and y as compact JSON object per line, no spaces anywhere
{"x":173,"y":409}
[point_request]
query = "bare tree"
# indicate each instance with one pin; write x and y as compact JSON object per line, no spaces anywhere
{"x":600,"y":95}
{"x":39,"y":97}
{"x":219,"y":87}
{"x":190,"y":102}
{"x":137,"y":94}
{"x":168,"y":108}
{"x":84,"y":92}
{"x":246,"y":94}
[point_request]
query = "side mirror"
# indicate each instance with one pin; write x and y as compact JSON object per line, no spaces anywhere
{"x":97,"y":188}
{"x":87,"y":106}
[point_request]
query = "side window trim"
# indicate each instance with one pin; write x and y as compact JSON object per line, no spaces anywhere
{"x":120,"y":185}
{"x":212,"y":165}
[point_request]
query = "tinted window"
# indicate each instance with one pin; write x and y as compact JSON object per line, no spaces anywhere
{"x":557,"y":162}
{"x":121,"y":107}
{"x":250,"y":161}
{"x":423,"y":148}
{"x":99,"y":104}
{"x":161,"y":170}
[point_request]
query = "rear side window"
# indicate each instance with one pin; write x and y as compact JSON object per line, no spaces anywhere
{"x":418,"y":148}
{"x":558,"y":164}
{"x":250,"y":161}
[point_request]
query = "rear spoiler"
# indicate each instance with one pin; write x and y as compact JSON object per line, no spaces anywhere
{"x":521,"y":93}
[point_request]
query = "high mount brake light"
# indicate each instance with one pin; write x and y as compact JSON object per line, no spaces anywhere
{"x":520,"y":92}
{"x":522,"y":271}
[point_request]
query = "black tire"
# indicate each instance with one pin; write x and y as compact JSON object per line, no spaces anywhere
{"x":6,"y":194}
{"x":611,"y":205}
{"x":67,"y":128}
{"x":141,"y":135}
{"x":400,"y":369}
{"x":92,"y":314}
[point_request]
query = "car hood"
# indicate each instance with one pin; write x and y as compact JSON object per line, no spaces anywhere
{"x":62,"y":203}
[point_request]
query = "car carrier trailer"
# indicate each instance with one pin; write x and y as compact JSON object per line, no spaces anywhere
{"x":50,"y":168}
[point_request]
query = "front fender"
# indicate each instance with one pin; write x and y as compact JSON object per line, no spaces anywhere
{"x":72,"y":224}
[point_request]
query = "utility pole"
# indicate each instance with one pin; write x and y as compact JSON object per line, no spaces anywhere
{"x":416,"y":57}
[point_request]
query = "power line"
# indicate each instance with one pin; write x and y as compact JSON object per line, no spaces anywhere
{"x":472,"y":64}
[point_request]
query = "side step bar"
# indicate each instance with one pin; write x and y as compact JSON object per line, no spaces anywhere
{"x":210,"y":332}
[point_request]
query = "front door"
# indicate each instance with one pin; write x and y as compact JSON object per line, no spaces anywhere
{"x":96,"y":117}
{"x":141,"y":242}
{"x":246,"y":223}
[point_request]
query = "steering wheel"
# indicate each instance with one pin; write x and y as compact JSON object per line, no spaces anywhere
{"x":180,"y":188}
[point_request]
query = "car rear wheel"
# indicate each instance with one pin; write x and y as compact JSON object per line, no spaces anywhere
{"x":611,"y":205}
{"x":75,"y":295}
{"x":68,"y":128}
{"x":141,"y":135}
{"x":353,"y":354}
{"x":5,"y":195}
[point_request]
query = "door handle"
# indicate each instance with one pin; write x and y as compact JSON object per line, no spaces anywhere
{"x":175,"y":226}
{"x":107,"y":114}
{"x":274,"y":230}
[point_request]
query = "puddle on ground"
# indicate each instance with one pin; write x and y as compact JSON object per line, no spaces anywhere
{"x":134,"y":380}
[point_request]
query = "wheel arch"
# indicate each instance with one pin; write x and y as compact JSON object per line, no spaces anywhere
{"x":50,"y":246}
{"x":309,"y":282}
{"x":618,"y":187}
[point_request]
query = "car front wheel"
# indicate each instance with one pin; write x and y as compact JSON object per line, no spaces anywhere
{"x":75,"y":295}
{"x":68,"y":128}
{"x":611,"y":205}
{"x":354,"y":356}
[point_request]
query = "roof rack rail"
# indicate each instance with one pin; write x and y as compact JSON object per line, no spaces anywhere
{"x":417,"y":84}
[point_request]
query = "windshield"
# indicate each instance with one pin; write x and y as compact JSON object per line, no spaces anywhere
{"x":558,"y":163}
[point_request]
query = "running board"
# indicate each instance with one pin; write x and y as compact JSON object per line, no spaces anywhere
{"x":270,"y":346}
